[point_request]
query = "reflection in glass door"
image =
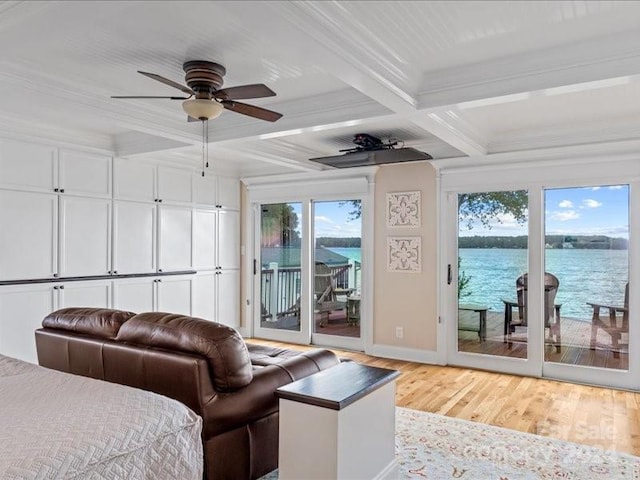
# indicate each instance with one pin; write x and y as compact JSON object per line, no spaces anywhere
{"x":492,"y":273}
{"x":337,"y":268}
{"x":586,"y":249}
{"x":280,"y":265}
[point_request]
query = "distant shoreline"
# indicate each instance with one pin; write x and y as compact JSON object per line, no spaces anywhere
{"x":566,"y":242}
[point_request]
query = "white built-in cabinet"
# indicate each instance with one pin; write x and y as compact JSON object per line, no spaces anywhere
{"x":171,"y":294}
{"x":22,"y":308}
{"x":67,"y":213}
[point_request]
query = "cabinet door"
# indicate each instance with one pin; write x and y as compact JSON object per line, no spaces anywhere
{"x":204,"y":239}
{"x":205,"y":190}
{"x":26,"y":166}
{"x":29,"y":238}
{"x":174,"y":238}
{"x":94,"y":293}
{"x":85,"y":236}
{"x":134,"y":227}
{"x":174,"y":295}
{"x":85,"y":174}
{"x":229,"y":192}
{"x":174,"y":185}
{"x":134,"y":294}
{"x":228,"y":239}
{"x":22,"y":309}
{"x":204,"y":295}
{"x":228,"y":299}
{"x":134,"y":180}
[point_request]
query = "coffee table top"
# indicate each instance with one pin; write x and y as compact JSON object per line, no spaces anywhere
{"x":337,"y":387}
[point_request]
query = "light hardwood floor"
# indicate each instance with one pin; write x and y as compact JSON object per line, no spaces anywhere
{"x":601,"y":417}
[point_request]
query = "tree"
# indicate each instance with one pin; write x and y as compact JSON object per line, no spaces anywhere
{"x":489,"y":206}
{"x":279,"y":226}
{"x":463,"y":283}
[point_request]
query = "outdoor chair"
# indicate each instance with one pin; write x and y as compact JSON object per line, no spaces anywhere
{"x":326,"y":293}
{"x":615,"y":325}
{"x":551,"y":310}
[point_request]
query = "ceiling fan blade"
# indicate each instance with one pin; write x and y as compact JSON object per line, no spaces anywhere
{"x":147,"y":96}
{"x":251,"y":110}
{"x":166,"y":81}
{"x":256,"y":90}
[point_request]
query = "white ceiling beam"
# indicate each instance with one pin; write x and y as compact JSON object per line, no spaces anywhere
{"x":452,"y":129}
{"x":589,"y":60}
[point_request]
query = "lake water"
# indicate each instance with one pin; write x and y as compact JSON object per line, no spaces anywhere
{"x":597,"y":276}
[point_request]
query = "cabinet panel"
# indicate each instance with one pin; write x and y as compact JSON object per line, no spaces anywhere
{"x":134,"y":180}
{"x":29,"y":239}
{"x":93,"y":293}
{"x":85,"y":236}
{"x":228,"y":307}
{"x":204,"y":239}
{"x":85,"y":174}
{"x":174,"y":295}
{"x":27,"y":166}
{"x":134,"y":226}
{"x":174,"y":185}
{"x":204,"y":295}
{"x":229,"y":192}
{"x":22,"y":309}
{"x":205,"y":190}
{"x":134,"y":295}
{"x":228,"y":239}
{"x":174,"y":242}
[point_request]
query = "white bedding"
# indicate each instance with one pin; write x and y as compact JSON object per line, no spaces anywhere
{"x":56,"y":425}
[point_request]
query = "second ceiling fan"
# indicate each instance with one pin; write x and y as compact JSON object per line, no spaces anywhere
{"x":206,"y":99}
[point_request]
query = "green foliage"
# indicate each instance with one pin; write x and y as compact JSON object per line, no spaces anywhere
{"x":338,"y":242}
{"x":356,"y":208}
{"x":463,"y":282}
{"x":489,"y":206}
{"x":585,"y":242}
{"x":279,"y":226}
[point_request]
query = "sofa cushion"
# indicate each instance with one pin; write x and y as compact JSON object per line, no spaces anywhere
{"x":222,"y":346}
{"x":98,"y":322}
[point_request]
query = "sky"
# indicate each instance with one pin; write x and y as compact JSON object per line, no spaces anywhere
{"x":333,"y":220}
{"x":573,"y":211}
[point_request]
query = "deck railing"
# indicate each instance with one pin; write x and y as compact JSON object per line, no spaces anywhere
{"x":281,"y":286}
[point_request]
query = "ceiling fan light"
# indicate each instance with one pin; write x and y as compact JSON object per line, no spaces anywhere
{"x":202,"y":109}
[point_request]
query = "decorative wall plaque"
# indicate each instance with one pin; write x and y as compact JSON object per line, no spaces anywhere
{"x":403,"y":209}
{"x":404,"y":254}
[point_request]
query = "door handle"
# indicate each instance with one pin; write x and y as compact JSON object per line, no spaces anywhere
{"x":449,"y":274}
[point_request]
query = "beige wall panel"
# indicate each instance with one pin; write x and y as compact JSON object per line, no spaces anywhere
{"x":407,"y":300}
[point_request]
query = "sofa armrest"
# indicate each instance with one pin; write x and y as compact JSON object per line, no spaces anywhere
{"x":227,"y":411}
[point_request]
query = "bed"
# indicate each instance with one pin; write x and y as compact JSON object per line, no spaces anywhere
{"x":63,"y":426}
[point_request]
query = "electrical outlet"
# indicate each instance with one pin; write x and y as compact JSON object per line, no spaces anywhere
{"x":399,"y":332}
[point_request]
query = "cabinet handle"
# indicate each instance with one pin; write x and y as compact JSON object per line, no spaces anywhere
{"x":62,"y":190}
{"x":61,"y":287}
{"x":160,"y":270}
{"x":159,"y":280}
{"x":56,"y":189}
{"x":56,"y":288}
{"x":109,"y":272}
{"x":55,"y":275}
{"x":115,"y":272}
{"x":160,"y":200}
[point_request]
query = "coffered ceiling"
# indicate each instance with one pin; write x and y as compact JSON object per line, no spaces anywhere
{"x":454,"y":79}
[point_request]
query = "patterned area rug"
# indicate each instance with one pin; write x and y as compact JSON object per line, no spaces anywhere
{"x":436,"y":447}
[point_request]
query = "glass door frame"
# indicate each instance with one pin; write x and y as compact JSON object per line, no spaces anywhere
{"x":332,"y":185}
{"x":571,"y":174}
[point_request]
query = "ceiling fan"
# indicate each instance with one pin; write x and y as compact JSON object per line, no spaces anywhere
{"x":206,"y":100}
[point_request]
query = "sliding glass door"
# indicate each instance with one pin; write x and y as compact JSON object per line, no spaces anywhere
{"x":337,"y":271}
{"x":587,"y":250}
{"x":309,"y":272}
{"x":539,"y":281}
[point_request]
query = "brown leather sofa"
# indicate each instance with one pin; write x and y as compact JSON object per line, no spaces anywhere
{"x":203,"y":364}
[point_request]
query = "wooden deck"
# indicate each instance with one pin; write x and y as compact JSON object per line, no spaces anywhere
{"x":575,"y":348}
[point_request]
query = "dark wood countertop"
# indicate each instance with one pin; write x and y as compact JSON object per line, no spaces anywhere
{"x":339,"y":386}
